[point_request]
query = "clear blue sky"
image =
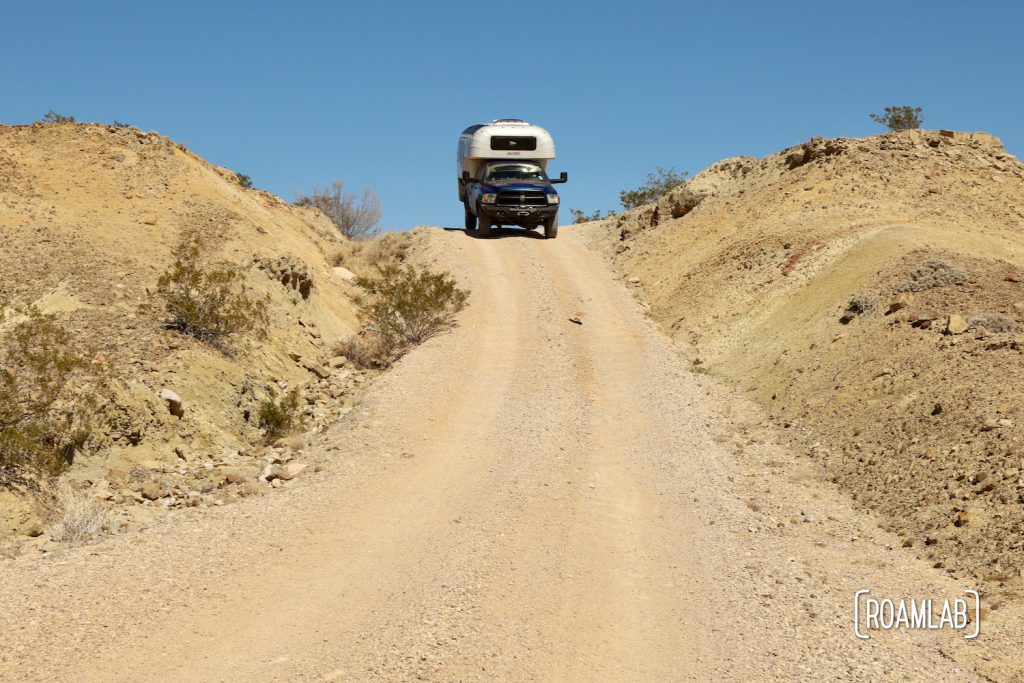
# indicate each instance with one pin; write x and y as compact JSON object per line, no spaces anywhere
{"x":299,"y":93}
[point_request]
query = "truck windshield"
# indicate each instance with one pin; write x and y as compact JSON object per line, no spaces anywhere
{"x":515,"y":172}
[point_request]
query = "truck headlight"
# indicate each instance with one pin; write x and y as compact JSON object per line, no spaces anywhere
{"x":488,"y":198}
{"x":552,"y":199}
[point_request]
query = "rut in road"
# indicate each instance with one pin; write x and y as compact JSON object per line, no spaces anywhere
{"x":524,"y":498}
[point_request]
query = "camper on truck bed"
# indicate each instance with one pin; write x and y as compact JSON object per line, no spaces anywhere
{"x":502,"y":177}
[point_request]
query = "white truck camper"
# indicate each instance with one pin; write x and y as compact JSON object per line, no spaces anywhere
{"x":502,"y":177}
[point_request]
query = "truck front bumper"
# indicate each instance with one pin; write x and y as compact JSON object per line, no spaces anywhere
{"x":519,"y":215}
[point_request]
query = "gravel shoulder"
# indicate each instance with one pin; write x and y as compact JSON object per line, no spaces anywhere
{"x":525,"y":498}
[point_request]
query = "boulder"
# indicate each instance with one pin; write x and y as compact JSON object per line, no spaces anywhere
{"x":32,"y":527}
{"x":295,"y":468}
{"x":151,"y":490}
{"x":173,"y":401}
{"x":345,"y":274}
{"x":317,"y":369}
{"x":251,"y":488}
{"x":956,"y":324}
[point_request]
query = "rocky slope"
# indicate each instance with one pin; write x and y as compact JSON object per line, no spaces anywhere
{"x":869,"y":293}
{"x":89,"y":215}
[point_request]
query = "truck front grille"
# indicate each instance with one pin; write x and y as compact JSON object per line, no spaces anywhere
{"x":522,"y":198}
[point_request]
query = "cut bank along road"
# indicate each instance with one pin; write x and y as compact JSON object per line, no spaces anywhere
{"x":525,"y":498}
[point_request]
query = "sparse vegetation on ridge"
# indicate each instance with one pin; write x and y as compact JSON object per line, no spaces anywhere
{"x":658,"y":184}
{"x":578,"y":216}
{"x":53,"y":117}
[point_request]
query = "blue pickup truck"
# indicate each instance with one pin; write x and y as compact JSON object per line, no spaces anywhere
{"x":503,"y":177}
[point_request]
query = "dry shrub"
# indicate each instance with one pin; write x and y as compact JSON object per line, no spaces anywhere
{"x":369,"y":351}
{"x":83,"y":518}
{"x":993,"y":322}
{"x":367,"y":257}
{"x":356,"y":219}
{"x":280,"y":416}
{"x":932,"y":274}
{"x":857,"y":305}
{"x":46,"y":397}
{"x":209,"y":299}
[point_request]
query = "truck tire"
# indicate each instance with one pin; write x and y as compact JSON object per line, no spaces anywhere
{"x":551,"y":228}
{"x":470,"y":218}
{"x":483,"y":228}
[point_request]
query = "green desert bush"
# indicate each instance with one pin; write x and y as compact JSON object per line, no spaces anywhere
{"x":408,"y":306}
{"x":659,"y":183}
{"x":412,"y":304}
{"x":281,"y":415}
{"x":899,"y":118}
{"x":244,"y":180}
{"x":208,"y":299}
{"x":45,"y":397}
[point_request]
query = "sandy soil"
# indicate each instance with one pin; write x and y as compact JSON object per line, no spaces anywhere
{"x":820,"y":282}
{"x":525,"y":498}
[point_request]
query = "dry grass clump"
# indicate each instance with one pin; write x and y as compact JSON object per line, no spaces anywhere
{"x":209,"y":299}
{"x":82,"y":518}
{"x":367,"y":257}
{"x":932,"y":274}
{"x":369,"y":351}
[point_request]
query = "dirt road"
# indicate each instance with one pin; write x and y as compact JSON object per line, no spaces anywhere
{"x":526,"y":498}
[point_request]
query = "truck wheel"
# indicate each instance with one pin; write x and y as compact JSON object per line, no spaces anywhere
{"x":483,"y":228}
{"x":551,"y":228}
{"x":470,"y":218}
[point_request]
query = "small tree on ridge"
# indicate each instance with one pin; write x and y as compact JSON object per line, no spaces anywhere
{"x":900,"y":118}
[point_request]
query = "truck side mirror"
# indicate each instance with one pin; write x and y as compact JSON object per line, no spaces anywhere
{"x":466,"y":176}
{"x":563,"y":178}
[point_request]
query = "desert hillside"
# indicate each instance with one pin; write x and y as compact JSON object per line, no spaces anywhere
{"x":89,"y":216}
{"x":868,"y":292}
